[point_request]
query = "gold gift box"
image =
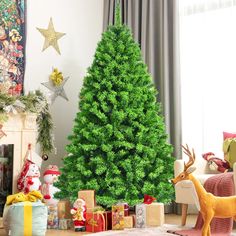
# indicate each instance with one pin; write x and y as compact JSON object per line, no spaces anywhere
{"x":129,"y":221}
{"x":89,"y":197}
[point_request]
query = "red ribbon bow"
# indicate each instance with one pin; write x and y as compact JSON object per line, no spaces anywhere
{"x":148,"y":199}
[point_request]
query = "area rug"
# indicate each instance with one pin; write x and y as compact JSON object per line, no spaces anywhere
{"x":157,"y":231}
{"x":142,"y":232}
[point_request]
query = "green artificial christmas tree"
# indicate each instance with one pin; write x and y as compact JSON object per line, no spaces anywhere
{"x":119,"y":145}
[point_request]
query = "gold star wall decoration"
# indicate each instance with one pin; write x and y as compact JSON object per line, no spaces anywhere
{"x":51,"y":36}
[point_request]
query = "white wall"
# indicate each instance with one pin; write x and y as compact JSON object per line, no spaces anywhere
{"x":81,"y":20}
{"x":208,"y":75}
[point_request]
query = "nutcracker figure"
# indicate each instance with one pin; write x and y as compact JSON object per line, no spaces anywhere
{"x":79,"y":214}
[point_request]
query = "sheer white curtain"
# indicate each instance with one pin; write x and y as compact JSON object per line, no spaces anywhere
{"x":208,"y":72}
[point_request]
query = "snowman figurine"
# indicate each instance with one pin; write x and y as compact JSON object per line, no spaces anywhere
{"x":48,"y":190}
{"x":32,"y":181}
{"x":29,"y":178}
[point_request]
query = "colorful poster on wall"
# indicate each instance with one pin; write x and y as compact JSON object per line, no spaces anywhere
{"x":12,"y":46}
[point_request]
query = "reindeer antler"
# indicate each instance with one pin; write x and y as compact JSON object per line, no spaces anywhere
{"x":191,"y":156}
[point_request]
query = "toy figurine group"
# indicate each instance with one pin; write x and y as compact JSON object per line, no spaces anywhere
{"x":29,"y":180}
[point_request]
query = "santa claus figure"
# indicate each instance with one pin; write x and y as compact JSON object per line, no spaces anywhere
{"x":79,"y":214}
{"x":29,"y":178}
{"x":50,"y":176}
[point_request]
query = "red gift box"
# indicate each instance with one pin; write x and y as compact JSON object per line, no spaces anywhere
{"x":108,"y":219}
{"x":126,"y":209}
{"x":95,"y":222}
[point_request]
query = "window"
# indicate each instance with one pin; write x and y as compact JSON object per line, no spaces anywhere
{"x":208,"y":72}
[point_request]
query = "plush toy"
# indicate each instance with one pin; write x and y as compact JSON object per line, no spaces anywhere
{"x":29,"y":178}
{"x":48,"y":190}
{"x":216,"y":163}
{"x":79,"y":214}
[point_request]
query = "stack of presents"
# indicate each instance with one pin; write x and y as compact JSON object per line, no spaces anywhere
{"x":147,"y":214}
{"x":30,"y":216}
{"x":34,"y":209}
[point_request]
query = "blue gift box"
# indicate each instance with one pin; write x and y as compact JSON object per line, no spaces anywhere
{"x":25,"y":218}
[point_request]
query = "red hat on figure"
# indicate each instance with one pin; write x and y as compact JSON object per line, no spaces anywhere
{"x":52,"y":170}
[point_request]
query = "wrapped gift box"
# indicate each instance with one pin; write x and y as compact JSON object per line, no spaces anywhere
{"x":126,"y":207}
{"x":129,"y":221}
{"x":52,"y":217}
{"x":95,"y":222}
{"x":65,"y":224}
{"x":118,"y":217}
{"x":63,"y":208}
{"x":140,"y":213}
{"x":25,"y":218}
{"x":155,"y":214}
{"x":89,"y":197}
{"x":108,"y":219}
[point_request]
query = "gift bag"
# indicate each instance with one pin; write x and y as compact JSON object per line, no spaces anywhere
{"x":118,"y":217}
{"x":140,"y":211}
{"x":52,"y":222}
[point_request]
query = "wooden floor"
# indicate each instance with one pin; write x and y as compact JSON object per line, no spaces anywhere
{"x":169,"y":219}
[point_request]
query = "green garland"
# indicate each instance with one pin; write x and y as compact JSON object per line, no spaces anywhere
{"x":33,"y":103}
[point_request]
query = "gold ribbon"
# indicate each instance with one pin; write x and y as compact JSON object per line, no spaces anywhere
{"x":94,"y":222}
{"x":32,"y":196}
{"x":106,"y":220}
{"x":98,"y":209}
{"x":56,"y":77}
{"x":28,"y":218}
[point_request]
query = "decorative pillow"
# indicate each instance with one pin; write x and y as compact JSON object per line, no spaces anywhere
{"x":229,"y":135}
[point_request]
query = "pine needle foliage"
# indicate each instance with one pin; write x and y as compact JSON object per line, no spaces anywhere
{"x":31,"y":103}
{"x":118,"y":146}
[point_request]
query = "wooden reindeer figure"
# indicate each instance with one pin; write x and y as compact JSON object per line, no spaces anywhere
{"x":210,"y":206}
